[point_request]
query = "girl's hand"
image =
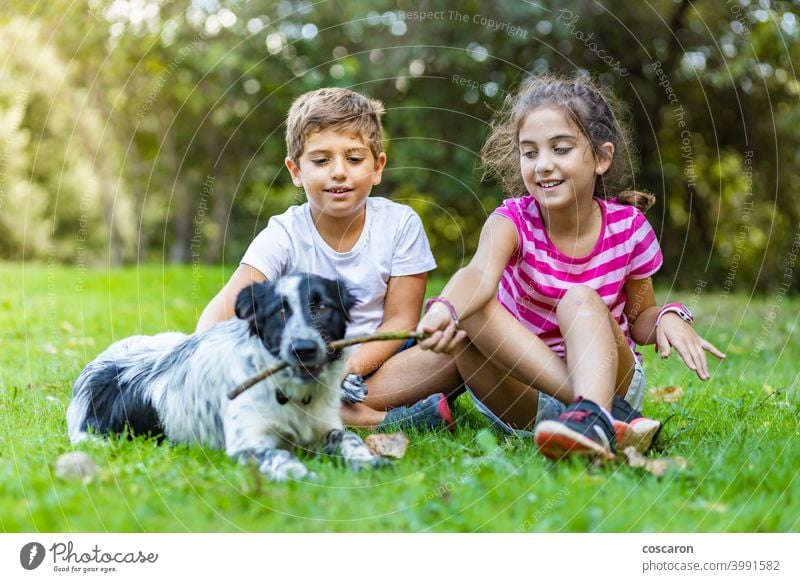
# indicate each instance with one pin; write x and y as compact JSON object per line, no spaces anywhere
{"x":438,"y":322}
{"x":673,"y":332}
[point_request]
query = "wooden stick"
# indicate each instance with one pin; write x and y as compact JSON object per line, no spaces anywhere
{"x":336,"y":346}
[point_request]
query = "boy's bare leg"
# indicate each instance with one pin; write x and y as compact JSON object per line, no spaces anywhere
{"x":361,"y":415}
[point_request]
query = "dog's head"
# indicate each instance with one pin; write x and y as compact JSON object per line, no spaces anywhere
{"x":296,"y":317}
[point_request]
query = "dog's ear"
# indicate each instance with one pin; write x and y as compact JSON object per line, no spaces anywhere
{"x":248,"y":298}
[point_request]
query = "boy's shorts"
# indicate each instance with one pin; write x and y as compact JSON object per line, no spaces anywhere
{"x":550,"y":408}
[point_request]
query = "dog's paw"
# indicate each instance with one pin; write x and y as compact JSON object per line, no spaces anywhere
{"x":281,"y":465}
{"x":375,"y":462}
{"x":294,"y":473}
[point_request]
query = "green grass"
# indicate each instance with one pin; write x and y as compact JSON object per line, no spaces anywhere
{"x":738,"y":432}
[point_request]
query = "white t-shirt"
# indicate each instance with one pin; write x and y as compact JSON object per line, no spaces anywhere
{"x":392,"y":244}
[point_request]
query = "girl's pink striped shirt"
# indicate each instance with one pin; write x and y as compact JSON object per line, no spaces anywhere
{"x":538,"y":274}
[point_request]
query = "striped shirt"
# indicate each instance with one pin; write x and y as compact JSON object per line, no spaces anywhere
{"x":538,"y":274}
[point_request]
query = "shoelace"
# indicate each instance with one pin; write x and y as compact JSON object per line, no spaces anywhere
{"x":574,"y":415}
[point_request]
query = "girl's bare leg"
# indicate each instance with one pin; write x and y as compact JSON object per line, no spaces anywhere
{"x":513,"y":348}
{"x":410,"y":376}
{"x":514,"y":402}
{"x":599,"y":360}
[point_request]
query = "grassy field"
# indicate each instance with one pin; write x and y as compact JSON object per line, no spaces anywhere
{"x":739,"y":434}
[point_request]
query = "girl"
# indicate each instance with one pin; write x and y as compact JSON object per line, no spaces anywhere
{"x":559,"y":290}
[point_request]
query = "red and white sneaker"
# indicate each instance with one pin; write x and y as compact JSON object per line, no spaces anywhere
{"x":582,"y":429}
{"x":632,"y":428}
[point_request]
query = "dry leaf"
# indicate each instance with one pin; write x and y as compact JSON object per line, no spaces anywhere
{"x":387,"y":445}
{"x":75,"y":465}
{"x":666,"y":394}
{"x":657,"y":467}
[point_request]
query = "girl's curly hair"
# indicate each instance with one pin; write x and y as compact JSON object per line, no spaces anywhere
{"x":593,"y":109}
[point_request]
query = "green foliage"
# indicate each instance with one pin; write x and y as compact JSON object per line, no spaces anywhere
{"x":118,"y":122}
{"x":734,"y":431}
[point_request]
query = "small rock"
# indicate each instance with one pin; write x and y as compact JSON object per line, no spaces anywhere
{"x":387,"y":445}
{"x":75,"y":465}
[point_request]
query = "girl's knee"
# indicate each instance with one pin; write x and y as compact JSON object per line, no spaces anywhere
{"x":578,"y":298}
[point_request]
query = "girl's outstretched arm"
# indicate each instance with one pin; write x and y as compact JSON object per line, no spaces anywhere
{"x":671,"y":331}
{"x":472,"y":287}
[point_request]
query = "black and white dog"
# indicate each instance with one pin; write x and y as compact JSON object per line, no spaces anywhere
{"x":176,"y":385}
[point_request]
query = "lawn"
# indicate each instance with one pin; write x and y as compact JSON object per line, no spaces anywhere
{"x":738,"y":434}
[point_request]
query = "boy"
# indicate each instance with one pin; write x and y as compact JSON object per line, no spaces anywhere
{"x":377,"y":247}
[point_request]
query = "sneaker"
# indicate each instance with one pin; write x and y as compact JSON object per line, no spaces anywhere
{"x":430,"y":413}
{"x":632,"y":428}
{"x":583,"y":429}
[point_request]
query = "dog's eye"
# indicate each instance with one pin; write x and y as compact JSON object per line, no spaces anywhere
{"x":285,"y":311}
{"x":320,"y":310}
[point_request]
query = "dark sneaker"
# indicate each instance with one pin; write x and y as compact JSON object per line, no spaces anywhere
{"x":632,"y":428}
{"x":582,"y":429}
{"x":430,"y":413}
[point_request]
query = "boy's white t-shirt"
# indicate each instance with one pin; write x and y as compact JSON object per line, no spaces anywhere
{"x":392,"y":244}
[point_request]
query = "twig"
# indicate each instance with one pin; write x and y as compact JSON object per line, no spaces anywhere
{"x":336,"y":346}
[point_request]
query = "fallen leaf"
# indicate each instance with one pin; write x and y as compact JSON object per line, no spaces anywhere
{"x":666,"y":394}
{"x":75,"y":465}
{"x":387,"y":445}
{"x":657,"y":467}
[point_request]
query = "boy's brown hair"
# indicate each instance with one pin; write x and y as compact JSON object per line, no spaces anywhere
{"x":333,"y":108}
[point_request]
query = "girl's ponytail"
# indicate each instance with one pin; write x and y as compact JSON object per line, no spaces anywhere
{"x":641,"y":200}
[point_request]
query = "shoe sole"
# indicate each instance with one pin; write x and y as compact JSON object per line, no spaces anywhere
{"x":556,"y":440}
{"x":446,"y":413}
{"x":638,"y":434}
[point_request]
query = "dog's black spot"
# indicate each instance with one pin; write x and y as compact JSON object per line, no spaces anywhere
{"x":114,"y":406}
{"x":263,"y":309}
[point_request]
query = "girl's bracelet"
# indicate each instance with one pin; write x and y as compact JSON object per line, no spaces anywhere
{"x":444,"y":302}
{"x":679,"y":309}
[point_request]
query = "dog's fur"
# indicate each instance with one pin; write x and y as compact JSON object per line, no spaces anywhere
{"x":176,"y":385}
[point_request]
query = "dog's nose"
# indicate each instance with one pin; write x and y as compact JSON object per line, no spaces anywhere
{"x":305,"y":350}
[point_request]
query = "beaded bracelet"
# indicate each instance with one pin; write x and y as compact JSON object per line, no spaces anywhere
{"x":677,"y":308}
{"x":444,"y":302}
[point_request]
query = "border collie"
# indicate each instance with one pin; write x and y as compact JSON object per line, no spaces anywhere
{"x":176,"y":385}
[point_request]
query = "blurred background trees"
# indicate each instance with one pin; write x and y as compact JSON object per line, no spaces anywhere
{"x":152,"y":130}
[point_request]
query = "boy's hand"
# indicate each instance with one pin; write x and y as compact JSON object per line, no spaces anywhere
{"x":444,"y":337}
{"x":673,"y":332}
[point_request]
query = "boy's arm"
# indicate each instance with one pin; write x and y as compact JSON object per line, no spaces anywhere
{"x":221,"y":307}
{"x":401,"y":310}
